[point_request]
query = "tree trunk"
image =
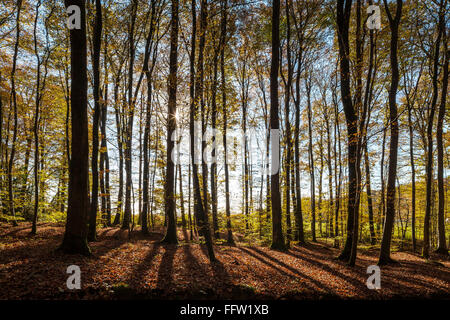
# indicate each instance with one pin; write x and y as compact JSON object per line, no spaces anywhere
{"x":223,"y":34}
{"x":330,"y":172}
{"x":130,"y":118}
{"x":92,"y":232}
{"x":319,"y":204}
{"x":442,"y":247}
{"x":429,"y":162}
{"x":213,"y":151}
{"x":148,"y":114}
{"x":169,"y":197}
{"x":343,"y":20}
{"x":369,"y":195}
{"x":36,"y":125}
{"x":413,"y":179}
{"x":287,"y":124}
{"x":14,"y":105}
{"x":104,"y":157}
{"x":311,"y":161}
{"x":393,"y":149}
{"x":277,"y":232}
{"x":119,"y":129}
{"x":300,"y":235}
{"x":75,"y":236}
{"x":202,"y":218}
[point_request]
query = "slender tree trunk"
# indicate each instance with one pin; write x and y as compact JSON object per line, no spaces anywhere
{"x":119,"y":129}
{"x":183,"y":216}
{"x":330,"y":173}
{"x":148,"y":114}
{"x":413,"y":180}
{"x":213,"y":152}
{"x":369,"y":195}
{"x":223,"y":35}
{"x":288,"y":125}
{"x":191,"y":226}
{"x":36,"y":125}
{"x":277,"y":232}
{"x":23,"y":189}
{"x":429,"y":163}
{"x":442,"y":247}
{"x":382,"y":206}
{"x":169,"y":197}
{"x":153,"y":180}
{"x":104,"y":157}
{"x":202,"y":218}
{"x":367,"y":106}
{"x":130,"y":119}
{"x":92,"y":232}
{"x":337,"y":162}
{"x":14,"y":105}
{"x":300,"y":235}
{"x":343,"y":21}
{"x":311,"y":162}
{"x":319,"y":204}
{"x":360,"y":114}
{"x":393,"y":149}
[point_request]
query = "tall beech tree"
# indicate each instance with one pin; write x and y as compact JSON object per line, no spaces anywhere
{"x":75,"y":236}
{"x":169,"y":197}
{"x":223,"y":37}
{"x":151,"y":47}
{"x":343,"y":20}
{"x":277,"y":232}
{"x":13,"y":103}
{"x":97,"y":40}
{"x":429,"y":133}
{"x":196,"y":91}
{"x":130,"y":116}
{"x":442,"y":247}
{"x":287,"y":124}
{"x":394,"y":23}
{"x":40,"y":89}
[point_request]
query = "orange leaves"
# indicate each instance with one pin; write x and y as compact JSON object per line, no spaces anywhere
{"x":141,"y":267}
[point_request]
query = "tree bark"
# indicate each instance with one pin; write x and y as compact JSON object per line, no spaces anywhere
{"x":369,"y":195}
{"x":169,"y":197}
{"x":97,"y":40}
{"x":287,"y":102}
{"x":429,"y":134}
{"x":442,"y":246}
{"x":393,"y":148}
{"x":300,"y":235}
{"x":75,"y":236}
{"x":196,"y":93}
{"x":130,"y":119}
{"x":311,"y":161}
{"x":277,"y":232}
{"x":148,"y":114}
{"x":12,"y":210}
{"x":343,"y":20}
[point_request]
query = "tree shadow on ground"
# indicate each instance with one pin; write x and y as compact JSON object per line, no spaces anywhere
{"x":273,"y":262}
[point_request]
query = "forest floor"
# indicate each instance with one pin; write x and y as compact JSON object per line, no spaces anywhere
{"x":123,"y":267}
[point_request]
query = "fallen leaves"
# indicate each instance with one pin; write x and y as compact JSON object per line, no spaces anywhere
{"x":141,"y":267}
